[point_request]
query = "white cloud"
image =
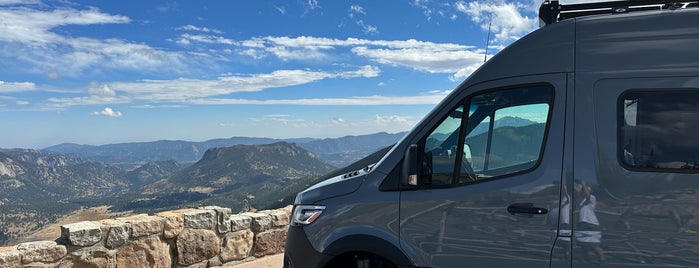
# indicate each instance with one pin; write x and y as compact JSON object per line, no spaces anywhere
{"x":356,"y":9}
{"x":286,"y":120}
{"x":382,"y":120}
{"x":281,"y":10}
{"x":30,"y":35}
{"x":108,"y":112}
{"x":277,"y":116}
{"x":367,"y":29}
{"x":16,"y":86}
{"x":312,"y":4}
{"x":18,"y":2}
{"x":21,"y":102}
{"x":455,"y":59}
{"x":190,"y":27}
{"x":427,"y":99}
{"x":423,"y":4}
{"x":33,"y":27}
{"x":426,"y":59}
{"x":97,"y":94}
{"x":101,"y":90}
{"x":504,"y":19}
{"x":192,"y":90}
{"x":186,"y":39}
{"x":89,"y":100}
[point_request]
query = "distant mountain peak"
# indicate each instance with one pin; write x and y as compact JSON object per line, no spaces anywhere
{"x":222,"y":167}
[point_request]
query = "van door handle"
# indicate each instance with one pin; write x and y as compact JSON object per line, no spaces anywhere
{"x":525,"y":208}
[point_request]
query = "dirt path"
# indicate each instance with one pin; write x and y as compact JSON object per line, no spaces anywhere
{"x":273,"y":261}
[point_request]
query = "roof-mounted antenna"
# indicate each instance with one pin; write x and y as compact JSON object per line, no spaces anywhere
{"x":487,"y":40}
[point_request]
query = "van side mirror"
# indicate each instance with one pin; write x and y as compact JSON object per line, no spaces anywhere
{"x":409,"y":170}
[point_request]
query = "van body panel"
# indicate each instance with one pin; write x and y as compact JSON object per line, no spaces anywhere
{"x":548,"y":50}
{"x":663,"y":40}
{"x":646,"y":217}
{"x":364,"y":212}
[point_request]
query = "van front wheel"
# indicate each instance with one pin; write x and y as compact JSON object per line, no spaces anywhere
{"x":360,"y":260}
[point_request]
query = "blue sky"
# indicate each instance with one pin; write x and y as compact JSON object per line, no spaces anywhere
{"x":99,"y":72}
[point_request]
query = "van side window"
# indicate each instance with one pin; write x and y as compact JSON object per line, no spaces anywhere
{"x":503,"y":134}
{"x":658,"y":131}
{"x":441,"y":147}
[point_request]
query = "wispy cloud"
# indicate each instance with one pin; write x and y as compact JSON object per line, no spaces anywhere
{"x":25,"y":25}
{"x":16,"y":86}
{"x":30,"y":35}
{"x":198,"y":90}
{"x":18,"y":2}
{"x":336,"y":126}
{"x":186,"y":39}
{"x":424,"y":6}
{"x":366,"y":28}
{"x":455,"y":59}
{"x":391,"y":119}
{"x":312,"y":4}
{"x":426,"y":99}
{"x":281,"y":9}
{"x":356,"y":9}
{"x":190,"y":27}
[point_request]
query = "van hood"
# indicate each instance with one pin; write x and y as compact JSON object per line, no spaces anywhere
{"x":333,"y":187}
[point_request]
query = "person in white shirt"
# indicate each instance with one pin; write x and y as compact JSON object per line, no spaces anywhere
{"x":587,"y":231}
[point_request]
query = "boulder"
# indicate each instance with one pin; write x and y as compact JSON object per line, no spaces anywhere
{"x":150,"y":252}
{"x":10,"y":257}
{"x":237,"y":245}
{"x":84,"y":233}
{"x":41,"y":251}
{"x":200,"y":219}
{"x":196,"y":245}
{"x":269,"y":242}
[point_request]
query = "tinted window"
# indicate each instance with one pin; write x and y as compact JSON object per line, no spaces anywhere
{"x":658,"y":130}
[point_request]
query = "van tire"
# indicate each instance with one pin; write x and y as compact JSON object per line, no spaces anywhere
{"x":360,"y":260}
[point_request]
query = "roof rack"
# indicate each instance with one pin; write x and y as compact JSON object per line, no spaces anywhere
{"x":551,"y":11}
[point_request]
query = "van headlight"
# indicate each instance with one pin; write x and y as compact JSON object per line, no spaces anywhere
{"x":306,"y":214}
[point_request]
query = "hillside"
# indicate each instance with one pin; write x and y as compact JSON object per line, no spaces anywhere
{"x":231,"y":175}
{"x":31,"y":176}
{"x":39,"y":187}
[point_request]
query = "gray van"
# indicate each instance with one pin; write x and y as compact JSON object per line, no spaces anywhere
{"x":576,"y":146}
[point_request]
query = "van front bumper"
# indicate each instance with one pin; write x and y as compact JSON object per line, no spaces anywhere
{"x":299,"y":253}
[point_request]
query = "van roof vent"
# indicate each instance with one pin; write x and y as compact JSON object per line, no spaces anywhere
{"x":551,"y":11}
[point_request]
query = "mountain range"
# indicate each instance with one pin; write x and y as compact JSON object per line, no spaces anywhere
{"x":338,"y":152}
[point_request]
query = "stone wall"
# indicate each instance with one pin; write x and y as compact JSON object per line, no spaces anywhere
{"x":204,"y":237}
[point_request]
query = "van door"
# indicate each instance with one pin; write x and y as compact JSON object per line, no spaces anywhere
{"x":636,"y":170}
{"x":489,"y":177}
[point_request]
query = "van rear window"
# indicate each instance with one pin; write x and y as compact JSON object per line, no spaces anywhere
{"x":659,"y":131}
